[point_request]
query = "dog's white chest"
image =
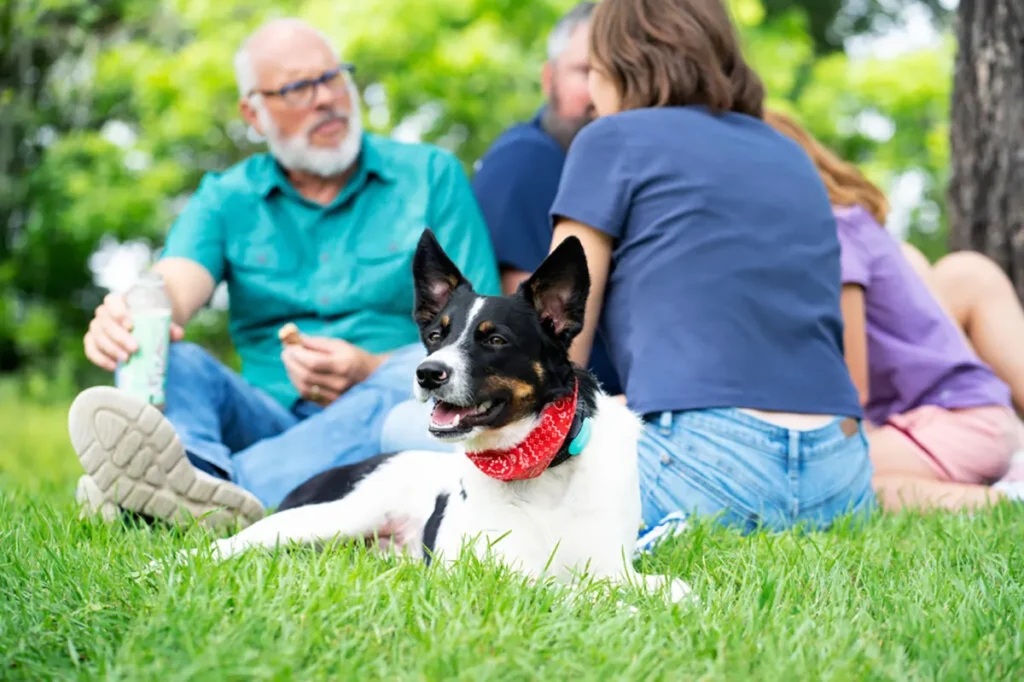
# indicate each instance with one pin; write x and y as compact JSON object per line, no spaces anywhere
{"x":565,"y":520}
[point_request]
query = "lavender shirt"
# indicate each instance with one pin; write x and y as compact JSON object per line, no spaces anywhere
{"x":916,"y":355}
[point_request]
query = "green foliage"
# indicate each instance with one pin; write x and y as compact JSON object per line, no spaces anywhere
{"x":111,"y":112}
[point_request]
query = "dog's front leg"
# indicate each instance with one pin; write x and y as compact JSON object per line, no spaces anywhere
{"x":315,"y":522}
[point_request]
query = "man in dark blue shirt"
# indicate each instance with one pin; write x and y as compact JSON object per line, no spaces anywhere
{"x":516,"y":180}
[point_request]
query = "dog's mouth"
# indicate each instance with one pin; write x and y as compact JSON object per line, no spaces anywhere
{"x":451,"y":421}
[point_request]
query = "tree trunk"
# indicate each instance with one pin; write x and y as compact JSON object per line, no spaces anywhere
{"x":986,"y":189}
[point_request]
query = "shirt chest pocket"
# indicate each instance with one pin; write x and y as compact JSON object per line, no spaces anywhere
{"x":266,"y":277}
{"x":383,"y":261}
{"x":263,"y":255}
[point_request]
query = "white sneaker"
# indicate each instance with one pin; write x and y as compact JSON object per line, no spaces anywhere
{"x":134,"y":460}
{"x":671,"y":524}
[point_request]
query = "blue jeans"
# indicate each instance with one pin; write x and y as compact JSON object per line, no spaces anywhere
{"x":233,"y":430}
{"x":751,"y":474}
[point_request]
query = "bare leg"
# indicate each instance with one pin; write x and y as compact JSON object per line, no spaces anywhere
{"x":982,"y":299}
{"x":904,"y":480}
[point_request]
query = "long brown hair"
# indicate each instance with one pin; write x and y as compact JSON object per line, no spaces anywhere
{"x":846,"y":185}
{"x":662,"y":53}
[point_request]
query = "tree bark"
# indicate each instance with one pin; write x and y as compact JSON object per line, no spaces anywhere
{"x":986,"y":189}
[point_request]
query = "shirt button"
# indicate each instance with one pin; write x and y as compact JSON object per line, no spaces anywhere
{"x":324,"y":258}
{"x":665,"y":459}
{"x":324,"y":300}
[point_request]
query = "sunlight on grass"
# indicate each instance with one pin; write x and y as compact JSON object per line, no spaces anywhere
{"x":937,"y":597}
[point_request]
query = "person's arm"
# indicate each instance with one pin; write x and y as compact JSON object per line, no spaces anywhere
{"x":511,"y":279}
{"x":459,"y":226}
{"x":855,"y":340}
{"x":597,"y":246}
{"x":189,"y":286}
{"x":855,"y":239}
{"x":593,"y":200}
{"x":191,"y":264}
{"x":193,"y":259}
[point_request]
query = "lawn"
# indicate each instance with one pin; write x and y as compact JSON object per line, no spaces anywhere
{"x":908,"y":597}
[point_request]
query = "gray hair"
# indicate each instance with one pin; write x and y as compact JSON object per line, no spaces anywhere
{"x":561,"y":34}
{"x":245,"y":73}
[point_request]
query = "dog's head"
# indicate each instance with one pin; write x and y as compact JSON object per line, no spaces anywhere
{"x":495,"y":362}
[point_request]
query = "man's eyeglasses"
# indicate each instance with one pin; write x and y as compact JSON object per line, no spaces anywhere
{"x":302,"y":93}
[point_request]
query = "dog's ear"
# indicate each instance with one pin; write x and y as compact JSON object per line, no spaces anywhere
{"x":558,"y":290}
{"x":435,"y":277}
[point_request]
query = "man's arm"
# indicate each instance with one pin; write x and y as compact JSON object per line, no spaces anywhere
{"x":456,"y":220}
{"x":192,"y":262}
{"x":191,"y":265}
{"x":189,"y":286}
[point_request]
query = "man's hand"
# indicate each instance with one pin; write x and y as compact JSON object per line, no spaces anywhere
{"x":109,"y":338}
{"x":322,"y":369}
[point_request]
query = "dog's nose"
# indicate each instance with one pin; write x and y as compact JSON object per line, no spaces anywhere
{"x":432,"y":374}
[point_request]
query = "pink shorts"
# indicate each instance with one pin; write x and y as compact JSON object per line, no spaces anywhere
{"x":973,"y":445}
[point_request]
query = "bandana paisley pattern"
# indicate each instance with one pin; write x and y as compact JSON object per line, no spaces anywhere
{"x":532,"y":456}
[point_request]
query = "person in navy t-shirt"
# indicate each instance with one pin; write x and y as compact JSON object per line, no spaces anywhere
{"x":516,"y":180}
{"x":715,"y":267}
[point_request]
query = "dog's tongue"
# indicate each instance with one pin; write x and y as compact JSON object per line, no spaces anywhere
{"x":445,"y":414}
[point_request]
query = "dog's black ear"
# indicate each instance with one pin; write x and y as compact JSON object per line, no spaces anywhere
{"x":558,"y":290}
{"x":435,"y":277}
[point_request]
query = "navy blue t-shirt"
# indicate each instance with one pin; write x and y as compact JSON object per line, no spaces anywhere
{"x":515,"y":183}
{"x":725,"y":282}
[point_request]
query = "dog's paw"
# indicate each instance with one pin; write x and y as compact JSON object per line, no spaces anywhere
{"x":679,"y":592}
{"x":181,"y":558}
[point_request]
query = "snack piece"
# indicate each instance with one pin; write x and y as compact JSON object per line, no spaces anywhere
{"x":289,"y":334}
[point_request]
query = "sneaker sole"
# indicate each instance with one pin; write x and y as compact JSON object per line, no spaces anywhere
{"x":134,"y":460}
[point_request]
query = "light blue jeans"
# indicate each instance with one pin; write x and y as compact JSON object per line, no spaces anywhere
{"x":722,"y":463}
{"x":233,"y":430}
{"x":750,"y":474}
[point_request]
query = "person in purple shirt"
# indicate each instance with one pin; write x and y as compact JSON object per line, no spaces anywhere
{"x":942,"y":428}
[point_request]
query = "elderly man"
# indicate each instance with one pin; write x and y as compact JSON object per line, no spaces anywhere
{"x":320,"y":232}
{"x":516,"y":180}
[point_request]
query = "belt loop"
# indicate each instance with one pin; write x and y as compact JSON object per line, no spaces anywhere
{"x":665,"y":423}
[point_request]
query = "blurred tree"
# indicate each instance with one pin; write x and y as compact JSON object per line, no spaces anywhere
{"x":986,"y":201}
{"x":110,"y":112}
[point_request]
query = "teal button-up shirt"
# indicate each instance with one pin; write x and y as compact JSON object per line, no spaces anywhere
{"x":342,"y":270}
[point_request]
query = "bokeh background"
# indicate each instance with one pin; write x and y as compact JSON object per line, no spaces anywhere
{"x":111,"y":111}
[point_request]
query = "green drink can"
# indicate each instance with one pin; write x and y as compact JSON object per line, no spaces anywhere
{"x":144,"y":374}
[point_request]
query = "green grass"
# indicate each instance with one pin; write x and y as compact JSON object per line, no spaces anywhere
{"x":908,"y":597}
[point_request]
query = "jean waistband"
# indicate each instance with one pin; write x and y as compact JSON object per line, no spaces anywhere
{"x":756,"y":432}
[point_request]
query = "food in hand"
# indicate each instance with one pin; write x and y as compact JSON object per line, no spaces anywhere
{"x":289,"y":334}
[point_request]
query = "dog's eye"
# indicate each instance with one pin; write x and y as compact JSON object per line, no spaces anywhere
{"x":496,"y":340}
{"x":434,"y":336}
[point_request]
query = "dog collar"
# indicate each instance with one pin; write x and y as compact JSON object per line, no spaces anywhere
{"x":559,"y":435}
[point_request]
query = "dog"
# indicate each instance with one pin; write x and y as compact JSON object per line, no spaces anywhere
{"x":546,"y":475}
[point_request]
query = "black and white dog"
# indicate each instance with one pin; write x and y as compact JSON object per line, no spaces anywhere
{"x":548,"y":480}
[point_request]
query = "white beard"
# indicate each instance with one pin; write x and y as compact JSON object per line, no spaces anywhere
{"x":297,"y":154}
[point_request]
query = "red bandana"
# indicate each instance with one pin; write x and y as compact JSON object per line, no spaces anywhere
{"x":532,"y":456}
